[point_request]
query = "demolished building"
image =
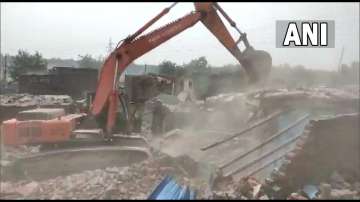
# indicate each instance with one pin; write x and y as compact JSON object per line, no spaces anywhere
{"x":299,"y":156}
{"x":60,"y":81}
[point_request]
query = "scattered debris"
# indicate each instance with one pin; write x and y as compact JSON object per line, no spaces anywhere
{"x":296,"y":196}
{"x":325,"y":191}
{"x":173,"y":133}
{"x":331,"y":181}
{"x":28,"y":99}
{"x":11,"y":104}
{"x":134,"y":182}
{"x":28,"y":189}
{"x":343,"y":194}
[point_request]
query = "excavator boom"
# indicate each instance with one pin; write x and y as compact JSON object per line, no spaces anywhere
{"x":135,"y":46}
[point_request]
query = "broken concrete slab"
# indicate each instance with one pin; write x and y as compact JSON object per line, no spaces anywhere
{"x":40,"y":114}
{"x":11,"y":104}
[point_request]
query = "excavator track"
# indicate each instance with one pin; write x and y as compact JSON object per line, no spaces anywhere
{"x":115,"y":140}
{"x":78,"y":155}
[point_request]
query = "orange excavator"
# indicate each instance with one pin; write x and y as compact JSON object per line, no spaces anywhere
{"x":256,"y":63}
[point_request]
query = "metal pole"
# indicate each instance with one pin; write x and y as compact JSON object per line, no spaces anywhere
{"x":5,"y":68}
{"x":115,"y":75}
{"x":274,"y":115}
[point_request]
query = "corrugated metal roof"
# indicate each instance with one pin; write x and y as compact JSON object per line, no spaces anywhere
{"x":169,"y":189}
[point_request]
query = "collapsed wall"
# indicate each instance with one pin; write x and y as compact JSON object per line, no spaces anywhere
{"x":333,"y":144}
{"x":318,"y":101}
{"x":219,"y":132}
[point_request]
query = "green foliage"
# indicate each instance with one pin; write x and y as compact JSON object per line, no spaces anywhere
{"x":199,"y":70}
{"x":87,"y":61}
{"x":167,"y":68}
{"x":199,"y":65}
{"x":25,"y":62}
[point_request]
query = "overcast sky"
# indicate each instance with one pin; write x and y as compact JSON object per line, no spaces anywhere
{"x":67,"y":29}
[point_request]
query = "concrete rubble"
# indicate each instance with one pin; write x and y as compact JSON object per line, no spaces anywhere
{"x":11,"y":153}
{"x":311,"y":98}
{"x":250,"y":188}
{"x":339,"y":100}
{"x":28,"y":99}
{"x":134,"y":182}
{"x":293,"y":180}
{"x":314,"y":170}
{"x":11,"y":104}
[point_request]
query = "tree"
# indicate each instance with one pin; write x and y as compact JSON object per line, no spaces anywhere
{"x":87,"y":61}
{"x":199,"y":70}
{"x":197,"y":65}
{"x":24,"y":62}
{"x":167,"y":68}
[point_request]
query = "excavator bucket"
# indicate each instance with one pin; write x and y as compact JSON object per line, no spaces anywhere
{"x":257,"y":64}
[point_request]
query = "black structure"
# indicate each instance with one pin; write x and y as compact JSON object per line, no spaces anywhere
{"x":60,"y":80}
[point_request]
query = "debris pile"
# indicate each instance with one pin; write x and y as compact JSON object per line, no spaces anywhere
{"x":11,"y":104}
{"x":247,"y":188}
{"x":14,"y":152}
{"x":134,"y":182}
{"x":336,"y":187}
{"x":323,"y":166}
{"x":310,"y":97}
{"x":28,"y":99}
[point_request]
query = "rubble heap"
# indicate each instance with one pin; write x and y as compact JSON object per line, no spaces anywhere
{"x":11,"y":104}
{"x":28,"y":99}
{"x":134,"y":182}
{"x":336,"y":187}
{"x":270,"y":98}
{"x":325,"y":165}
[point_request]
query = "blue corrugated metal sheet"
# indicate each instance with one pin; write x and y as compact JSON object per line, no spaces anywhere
{"x":169,"y":189}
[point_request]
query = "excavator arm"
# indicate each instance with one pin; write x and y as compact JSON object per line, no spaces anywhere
{"x":134,"y":46}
